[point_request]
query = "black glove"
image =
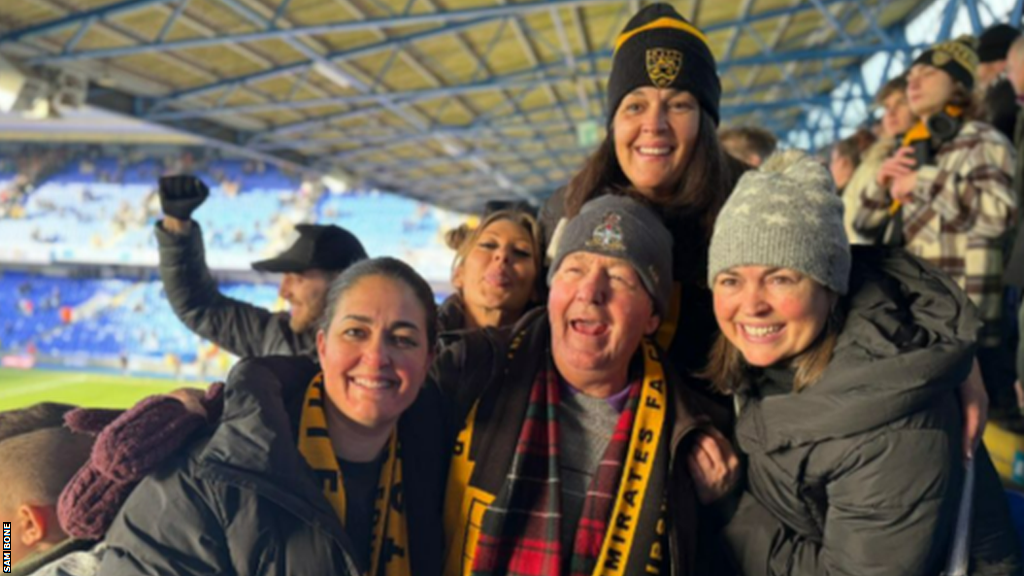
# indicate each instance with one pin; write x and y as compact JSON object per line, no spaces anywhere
{"x":181,"y":195}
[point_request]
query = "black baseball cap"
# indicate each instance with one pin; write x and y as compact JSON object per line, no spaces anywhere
{"x":325,"y":247}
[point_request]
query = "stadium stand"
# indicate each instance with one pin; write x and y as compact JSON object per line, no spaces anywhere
{"x":100,"y":317}
{"x":92,"y":208}
{"x":31,"y":305}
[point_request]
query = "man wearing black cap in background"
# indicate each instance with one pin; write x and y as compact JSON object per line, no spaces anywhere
{"x":998,"y":99}
{"x":317,"y":256}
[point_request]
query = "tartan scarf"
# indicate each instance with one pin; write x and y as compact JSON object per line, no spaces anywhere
{"x":519,"y":534}
{"x":390,"y":529}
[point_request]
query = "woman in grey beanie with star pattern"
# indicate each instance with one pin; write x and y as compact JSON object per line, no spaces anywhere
{"x":844,"y":367}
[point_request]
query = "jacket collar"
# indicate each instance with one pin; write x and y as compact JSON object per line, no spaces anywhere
{"x":908,"y":338}
{"x":255,"y":447}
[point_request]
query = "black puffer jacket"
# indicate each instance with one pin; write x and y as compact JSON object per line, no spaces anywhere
{"x":244,"y":501}
{"x":238,"y":327}
{"x":861,"y":472}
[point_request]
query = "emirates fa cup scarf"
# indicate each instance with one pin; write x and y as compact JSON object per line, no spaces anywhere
{"x":389,"y":523}
{"x":622,"y":526}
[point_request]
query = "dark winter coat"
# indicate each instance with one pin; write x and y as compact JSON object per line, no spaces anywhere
{"x":1000,"y":105}
{"x":471,"y":368}
{"x":238,"y":327}
{"x":451,"y":315}
{"x":861,"y":472}
{"x":244,"y":500}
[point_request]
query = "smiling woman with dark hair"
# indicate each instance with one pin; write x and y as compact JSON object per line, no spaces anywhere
{"x":333,"y":469}
{"x":663,"y":103}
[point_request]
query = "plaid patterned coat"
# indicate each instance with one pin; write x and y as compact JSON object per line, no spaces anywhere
{"x":961,"y":210}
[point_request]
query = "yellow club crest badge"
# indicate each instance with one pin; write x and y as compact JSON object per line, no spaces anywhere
{"x":663,"y":66}
{"x":608,"y":234}
{"x":940,"y":58}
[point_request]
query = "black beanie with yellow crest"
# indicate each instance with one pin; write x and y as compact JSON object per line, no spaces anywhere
{"x":660,"y":48}
{"x":958,"y":58}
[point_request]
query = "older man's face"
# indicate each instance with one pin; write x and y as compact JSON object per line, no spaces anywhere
{"x":599,"y":312}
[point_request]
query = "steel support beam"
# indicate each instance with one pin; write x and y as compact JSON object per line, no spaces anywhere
{"x":516,"y":80}
{"x":444,"y":30}
{"x":171,"y":20}
{"x":362,"y":99}
{"x":76,"y":19}
{"x":335,"y":57}
{"x":840,"y":31}
{"x":975,"y":16}
{"x":86,"y":25}
{"x":442,"y":17}
{"x":948,"y":19}
{"x":388,"y":22}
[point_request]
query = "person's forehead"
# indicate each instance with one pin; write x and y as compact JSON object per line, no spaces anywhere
{"x":602,"y":260}
{"x":895,"y":98}
{"x":660,"y":92}
{"x":373,"y":296}
{"x":507,"y":228}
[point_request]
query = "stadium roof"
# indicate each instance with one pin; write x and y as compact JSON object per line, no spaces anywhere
{"x":452,"y":101}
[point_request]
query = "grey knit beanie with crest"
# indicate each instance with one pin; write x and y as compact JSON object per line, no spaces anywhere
{"x":786,"y":215}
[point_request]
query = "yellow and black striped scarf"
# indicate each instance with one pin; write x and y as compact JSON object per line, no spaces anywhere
{"x":512,"y":530}
{"x":390,"y":543}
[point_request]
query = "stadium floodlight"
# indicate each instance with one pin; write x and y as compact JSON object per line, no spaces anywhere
{"x":332,"y":73}
{"x":451,"y":147}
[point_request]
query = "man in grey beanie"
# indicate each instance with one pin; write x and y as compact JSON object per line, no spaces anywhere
{"x":624,"y":228}
{"x":584,"y":423}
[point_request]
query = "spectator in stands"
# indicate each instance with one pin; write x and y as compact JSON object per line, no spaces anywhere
{"x":845,"y":157}
{"x":309,"y":266}
{"x":38,"y":456}
{"x":662,"y":142}
{"x":999,"y":102}
{"x":496,"y":271}
{"x":950,"y":184}
{"x":845,"y":373}
{"x":1015,"y":266}
{"x":538,"y":467}
{"x":311,"y":471}
{"x":897,"y":119}
{"x":750,"y":144}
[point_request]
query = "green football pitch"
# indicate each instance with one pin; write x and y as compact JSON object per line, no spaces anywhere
{"x":20,"y":388}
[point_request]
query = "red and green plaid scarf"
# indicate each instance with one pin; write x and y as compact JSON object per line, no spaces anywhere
{"x":519,"y":535}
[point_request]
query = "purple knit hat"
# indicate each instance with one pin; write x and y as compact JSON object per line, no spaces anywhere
{"x":129,"y":446}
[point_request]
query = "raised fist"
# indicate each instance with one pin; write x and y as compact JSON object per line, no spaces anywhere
{"x":181,"y":195}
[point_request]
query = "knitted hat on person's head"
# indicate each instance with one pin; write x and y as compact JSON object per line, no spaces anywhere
{"x":994,"y":43}
{"x":622,"y":227}
{"x":958,"y":58}
{"x":659,"y":48}
{"x":786,"y":215}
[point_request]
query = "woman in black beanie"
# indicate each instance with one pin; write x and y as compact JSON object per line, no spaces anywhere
{"x":663,"y":99}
